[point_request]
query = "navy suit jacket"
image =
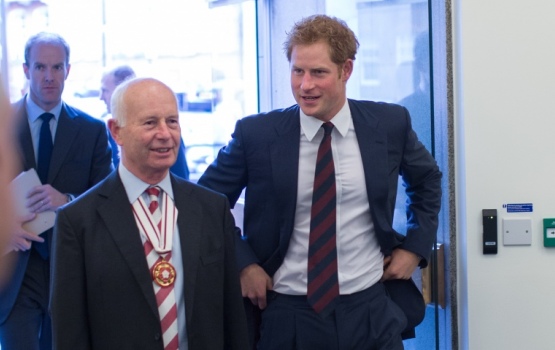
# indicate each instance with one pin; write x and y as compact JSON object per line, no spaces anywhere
{"x":81,"y":157}
{"x":102,"y":294}
{"x":263,"y":156}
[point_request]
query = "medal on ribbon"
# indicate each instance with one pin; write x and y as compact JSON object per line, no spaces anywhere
{"x":160,"y":237}
{"x":163,"y":273}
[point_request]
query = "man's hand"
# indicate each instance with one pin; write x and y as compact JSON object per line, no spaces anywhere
{"x":254,"y":284}
{"x":45,"y":198}
{"x":21,"y":240}
{"x":400,"y":265}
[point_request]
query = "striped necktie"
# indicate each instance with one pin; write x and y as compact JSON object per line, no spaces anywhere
{"x":323,"y":286}
{"x":165,"y":296}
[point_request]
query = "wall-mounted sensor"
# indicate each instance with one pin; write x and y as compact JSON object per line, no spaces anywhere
{"x":489,"y":224}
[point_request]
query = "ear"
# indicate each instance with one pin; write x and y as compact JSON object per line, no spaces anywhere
{"x":67,"y":69}
{"x":26,"y":71}
{"x":347,"y":70}
{"x":115,"y":130}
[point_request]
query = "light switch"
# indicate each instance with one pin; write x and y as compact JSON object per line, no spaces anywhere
{"x":517,"y":231}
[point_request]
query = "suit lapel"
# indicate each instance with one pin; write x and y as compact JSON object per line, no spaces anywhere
{"x":373,"y":150}
{"x":66,"y":132}
{"x":117,"y":214}
{"x":189,"y":223}
{"x":284,"y":154}
{"x":25,"y":139}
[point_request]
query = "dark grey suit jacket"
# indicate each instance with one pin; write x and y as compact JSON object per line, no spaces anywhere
{"x":81,"y":158}
{"x":102,"y":294}
{"x":263,"y":157}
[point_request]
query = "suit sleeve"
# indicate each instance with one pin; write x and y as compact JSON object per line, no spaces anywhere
{"x":235,"y":319}
{"x":68,"y":301}
{"x":422,"y":179}
{"x":228,"y":175}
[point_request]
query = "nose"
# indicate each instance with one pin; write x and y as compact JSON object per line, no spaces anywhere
{"x":307,"y":82}
{"x":163,"y":131}
{"x":48,"y":75}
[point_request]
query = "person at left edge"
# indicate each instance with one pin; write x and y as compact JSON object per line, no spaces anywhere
{"x":104,"y":293}
{"x":81,"y":157}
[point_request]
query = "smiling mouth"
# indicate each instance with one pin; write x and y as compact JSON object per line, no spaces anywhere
{"x":310,"y":98}
{"x":162,"y":150}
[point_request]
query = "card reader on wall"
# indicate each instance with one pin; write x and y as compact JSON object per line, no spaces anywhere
{"x":489,"y":223}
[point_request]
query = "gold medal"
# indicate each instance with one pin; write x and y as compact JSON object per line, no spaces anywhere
{"x":163,"y":273}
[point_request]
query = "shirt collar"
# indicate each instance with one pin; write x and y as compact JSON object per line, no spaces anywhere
{"x":135,"y":187}
{"x":341,"y":122}
{"x":34,"y":111}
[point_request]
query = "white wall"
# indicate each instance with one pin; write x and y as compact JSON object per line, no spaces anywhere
{"x":504,"y":54}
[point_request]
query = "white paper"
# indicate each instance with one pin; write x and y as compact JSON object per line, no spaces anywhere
{"x":20,"y":187}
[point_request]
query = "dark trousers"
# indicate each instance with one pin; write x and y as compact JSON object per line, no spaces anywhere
{"x":367,"y":320}
{"x":28,"y":326}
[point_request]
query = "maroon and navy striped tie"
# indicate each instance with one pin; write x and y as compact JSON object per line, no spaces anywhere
{"x":323,"y":286}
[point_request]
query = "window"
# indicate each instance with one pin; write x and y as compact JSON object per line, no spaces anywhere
{"x":204,"y":50}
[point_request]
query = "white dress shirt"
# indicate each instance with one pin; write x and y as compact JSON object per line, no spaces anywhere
{"x":360,"y":262}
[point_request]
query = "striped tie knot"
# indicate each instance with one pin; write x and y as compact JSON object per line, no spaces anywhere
{"x":153,"y":193}
{"x":328,"y":127}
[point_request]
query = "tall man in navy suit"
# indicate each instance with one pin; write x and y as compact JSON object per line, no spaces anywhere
{"x":80,"y":157}
{"x":355,"y":303}
{"x":120,"y":281}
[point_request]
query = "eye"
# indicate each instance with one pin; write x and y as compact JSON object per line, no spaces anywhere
{"x":173,"y":123}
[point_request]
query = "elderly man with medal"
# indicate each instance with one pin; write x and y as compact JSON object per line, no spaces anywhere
{"x":145,"y":260}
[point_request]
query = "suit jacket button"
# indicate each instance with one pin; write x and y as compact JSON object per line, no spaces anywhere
{"x":157,"y":336}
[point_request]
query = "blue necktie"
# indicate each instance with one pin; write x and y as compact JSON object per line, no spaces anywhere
{"x":45,"y":154}
{"x":45,"y":147}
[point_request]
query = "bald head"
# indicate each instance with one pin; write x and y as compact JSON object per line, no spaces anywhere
{"x":145,"y":125}
{"x":136,"y":88}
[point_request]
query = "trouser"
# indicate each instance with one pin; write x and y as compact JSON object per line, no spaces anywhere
{"x":28,"y":326}
{"x":367,"y":320}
